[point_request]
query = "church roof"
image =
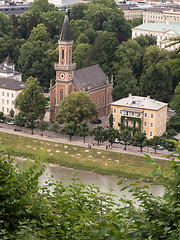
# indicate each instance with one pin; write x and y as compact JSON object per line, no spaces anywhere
{"x":65,"y":32}
{"x":93,"y":76}
{"x":11,"y":84}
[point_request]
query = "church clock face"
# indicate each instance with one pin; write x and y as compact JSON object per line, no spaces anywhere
{"x":61,"y":75}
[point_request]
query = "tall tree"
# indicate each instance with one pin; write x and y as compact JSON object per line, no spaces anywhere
{"x":175,"y":103}
{"x":97,"y":133}
{"x":125,"y":136}
{"x":31,"y":99}
{"x":70,"y":129}
{"x":139,"y":139}
{"x":156,"y":79}
{"x":83,"y":130}
{"x":76,"y":107}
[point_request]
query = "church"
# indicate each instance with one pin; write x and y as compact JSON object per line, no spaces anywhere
{"x":90,"y":79}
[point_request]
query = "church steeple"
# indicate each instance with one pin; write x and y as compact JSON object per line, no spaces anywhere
{"x":65,"y":32}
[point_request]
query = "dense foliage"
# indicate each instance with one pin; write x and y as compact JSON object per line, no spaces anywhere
{"x":80,"y":211}
{"x":100,"y":33}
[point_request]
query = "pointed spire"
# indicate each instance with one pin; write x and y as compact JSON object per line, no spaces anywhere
{"x":65,"y":32}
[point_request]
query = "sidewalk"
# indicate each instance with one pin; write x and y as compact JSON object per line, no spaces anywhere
{"x":64,"y":140}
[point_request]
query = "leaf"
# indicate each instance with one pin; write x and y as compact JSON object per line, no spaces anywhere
{"x":102,"y":232}
{"x":156,"y":173}
{"x":148,"y":160}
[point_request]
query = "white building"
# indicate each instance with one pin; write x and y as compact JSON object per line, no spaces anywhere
{"x":162,"y":31}
{"x":10,"y":86}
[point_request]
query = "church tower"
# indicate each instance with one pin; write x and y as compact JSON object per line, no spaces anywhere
{"x":64,"y":68}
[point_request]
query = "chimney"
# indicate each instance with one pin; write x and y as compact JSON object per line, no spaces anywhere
{"x":84,"y":87}
{"x":89,"y":86}
{"x":148,"y":97}
{"x":130,"y":94}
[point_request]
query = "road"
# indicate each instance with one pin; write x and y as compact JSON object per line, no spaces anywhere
{"x":76,"y":140}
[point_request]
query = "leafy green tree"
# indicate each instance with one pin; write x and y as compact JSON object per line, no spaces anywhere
{"x":139,"y":139}
{"x":155,"y":142}
{"x":80,"y":54}
{"x":175,"y":102}
{"x":40,"y":6}
{"x":146,"y":41}
{"x":5,"y":43}
{"x":2,"y":117}
{"x":156,"y":79}
{"x":30,"y":121}
{"x":39,"y":33}
{"x":77,"y":11}
{"x":70,"y":129}
{"x":125,"y":83}
{"x":11,"y":113}
{"x":135,"y":22}
{"x":6,"y":28}
{"x":83,"y":130}
{"x":111,"y":134}
{"x":125,"y":136}
{"x":55,"y":127}
{"x":174,"y":122}
{"x":42,"y":126}
{"x":97,"y":133}
{"x":111,"y":120}
{"x":31,"y":100}
{"x":76,"y":107}
{"x":19,"y":119}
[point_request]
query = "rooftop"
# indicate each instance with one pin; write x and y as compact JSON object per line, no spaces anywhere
{"x":11,"y":84}
{"x":140,"y":102}
{"x":160,"y":27}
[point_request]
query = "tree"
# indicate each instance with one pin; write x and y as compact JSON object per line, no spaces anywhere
{"x":40,"y":6}
{"x":80,"y":54}
{"x":139,"y":140}
{"x":77,"y":11}
{"x":6,"y":28}
{"x":31,"y":101}
{"x":111,"y":134}
{"x":97,"y":133}
{"x":175,"y":102}
{"x":83,"y":130}
{"x":156,"y":79}
{"x":70,"y":129}
{"x":30,"y":121}
{"x":42,"y":126}
{"x":54,"y":128}
{"x":135,"y":22}
{"x":19,"y":119}
{"x":76,"y":107}
{"x":155,"y":142}
{"x":11,"y":113}
{"x":111,"y":120}
{"x":174,"y":123}
{"x":2,"y":117}
{"x":125,"y":136}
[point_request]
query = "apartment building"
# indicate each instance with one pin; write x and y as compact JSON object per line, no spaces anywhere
{"x":140,"y":114}
{"x":131,"y":11}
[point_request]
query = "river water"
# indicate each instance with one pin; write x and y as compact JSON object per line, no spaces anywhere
{"x":104,"y":182}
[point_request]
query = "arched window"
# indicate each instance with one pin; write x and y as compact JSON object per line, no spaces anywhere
{"x":61,"y":95}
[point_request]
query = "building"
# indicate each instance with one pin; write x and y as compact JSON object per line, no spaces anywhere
{"x":162,"y":31}
{"x":91,"y":79}
{"x":131,"y":11}
{"x":14,"y":9}
{"x":10,"y":86}
{"x":140,"y":113}
{"x":161,"y":14}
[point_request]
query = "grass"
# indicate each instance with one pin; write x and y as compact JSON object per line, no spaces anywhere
{"x":99,"y":161}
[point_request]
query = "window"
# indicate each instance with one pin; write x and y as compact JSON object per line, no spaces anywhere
{"x":145,"y":131}
{"x":7,"y":110}
{"x":7,"y":101}
{"x":114,"y":110}
{"x":100,"y":101}
{"x":54,"y":101}
{"x":2,"y":93}
{"x":69,"y":91}
{"x":2,"y":100}
{"x":2,"y":109}
{"x":150,"y":133}
{"x":94,"y":100}
{"x":103,"y":99}
{"x":12,"y":95}
{"x":62,"y":53}
{"x":97,"y":100}
{"x":145,"y":124}
{"x":120,"y":111}
{"x":152,"y":115}
{"x":145,"y":114}
{"x":114,"y":119}
{"x":61,"y":95}
{"x":7,"y":94}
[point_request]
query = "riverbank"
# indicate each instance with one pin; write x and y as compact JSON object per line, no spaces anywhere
{"x":79,"y":157}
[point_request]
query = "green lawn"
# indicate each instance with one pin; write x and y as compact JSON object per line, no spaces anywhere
{"x":100,"y":161}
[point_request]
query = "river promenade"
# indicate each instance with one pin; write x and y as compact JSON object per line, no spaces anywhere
{"x":47,"y":136}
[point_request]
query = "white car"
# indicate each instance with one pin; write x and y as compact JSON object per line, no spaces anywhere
{"x":10,"y":123}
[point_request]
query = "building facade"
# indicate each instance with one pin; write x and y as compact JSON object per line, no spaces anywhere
{"x":162,"y":31}
{"x":10,"y":86}
{"x":91,"y":79}
{"x":131,"y":11}
{"x":140,"y":114}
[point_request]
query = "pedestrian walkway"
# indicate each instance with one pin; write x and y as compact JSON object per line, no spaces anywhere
{"x":80,"y":143}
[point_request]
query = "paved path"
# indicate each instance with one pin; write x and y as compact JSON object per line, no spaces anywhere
{"x":65,"y":140}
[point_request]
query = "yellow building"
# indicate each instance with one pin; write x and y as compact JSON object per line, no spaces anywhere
{"x":140,"y":113}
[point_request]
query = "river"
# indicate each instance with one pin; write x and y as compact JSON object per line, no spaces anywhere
{"x":104,"y":182}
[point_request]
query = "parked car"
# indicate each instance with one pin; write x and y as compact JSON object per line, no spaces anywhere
{"x":160,"y":147}
{"x":10,"y":123}
{"x":105,"y":127}
{"x":96,"y":121}
{"x":116,"y":140}
{"x":123,"y":143}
